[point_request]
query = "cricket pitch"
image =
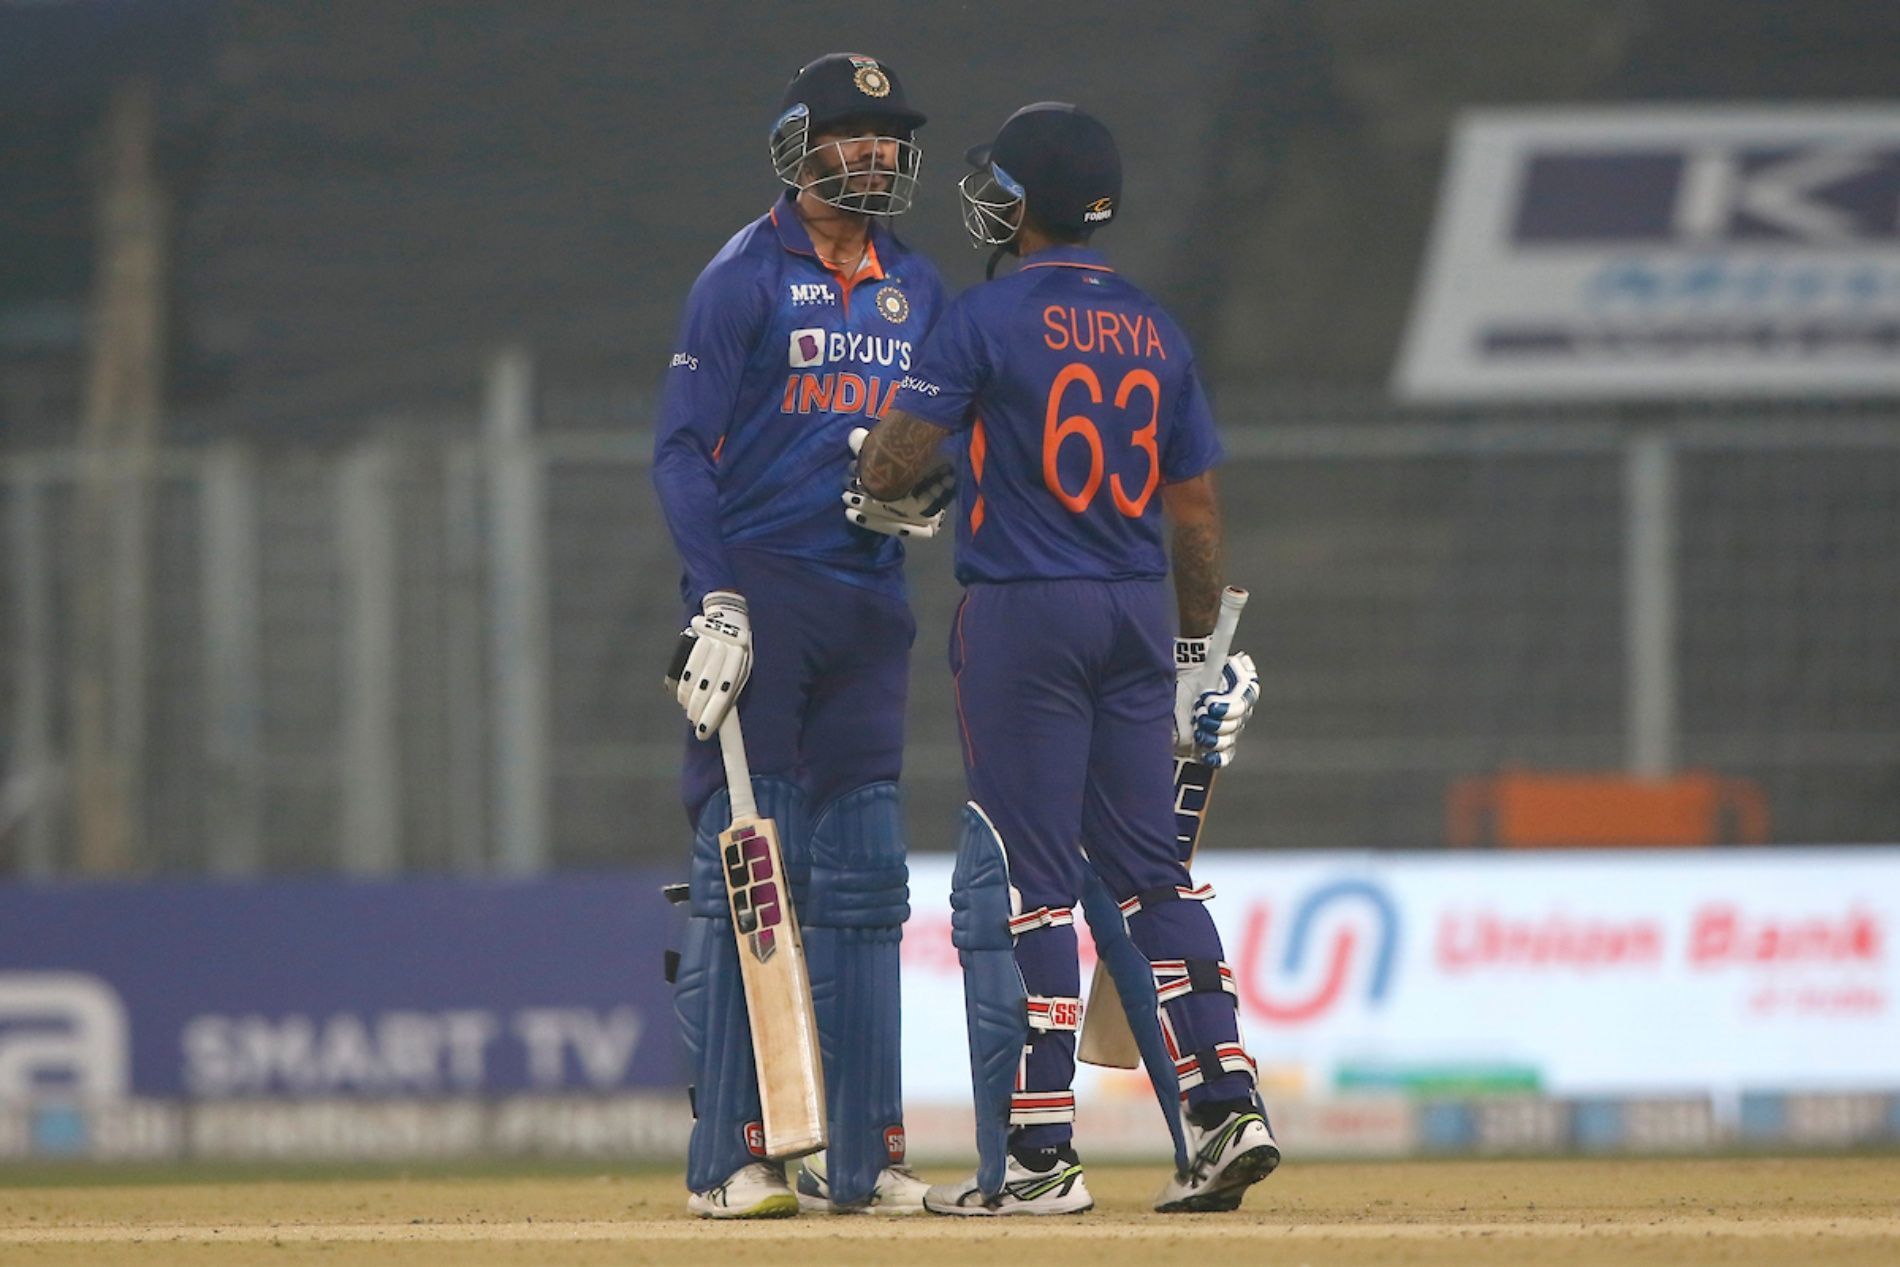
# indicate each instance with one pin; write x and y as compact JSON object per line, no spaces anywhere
{"x":1630,"y":1212}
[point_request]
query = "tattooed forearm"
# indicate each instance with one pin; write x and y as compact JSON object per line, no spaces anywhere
{"x":897,"y":453}
{"x":1197,"y":576}
{"x":1193,"y":507}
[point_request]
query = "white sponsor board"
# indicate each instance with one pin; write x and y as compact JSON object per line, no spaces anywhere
{"x":1616,"y":973}
{"x":1631,"y":252}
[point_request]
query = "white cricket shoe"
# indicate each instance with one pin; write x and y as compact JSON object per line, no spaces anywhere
{"x":757,"y":1191}
{"x":1223,"y":1162}
{"x":897,"y":1191}
{"x":1057,"y":1190}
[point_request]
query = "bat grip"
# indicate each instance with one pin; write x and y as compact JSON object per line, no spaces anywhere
{"x":1221,"y":642}
{"x":738,"y":772}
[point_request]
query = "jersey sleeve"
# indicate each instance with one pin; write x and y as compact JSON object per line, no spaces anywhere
{"x":724,"y":315}
{"x":952,"y":368}
{"x":1193,"y":445}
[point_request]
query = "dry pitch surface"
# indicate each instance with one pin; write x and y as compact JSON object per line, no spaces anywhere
{"x":1813,"y":1211}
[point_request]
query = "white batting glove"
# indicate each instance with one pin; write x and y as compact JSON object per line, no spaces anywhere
{"x":1220,"y":715}
{"x":1190,"y":670}
{"x":712,"y":661}
{"x":918,"y":513}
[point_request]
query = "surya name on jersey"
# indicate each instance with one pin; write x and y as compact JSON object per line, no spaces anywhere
{"x":840,"y":391}
{"x":1101,"y":330}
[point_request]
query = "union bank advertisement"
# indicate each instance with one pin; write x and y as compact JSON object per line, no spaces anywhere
{"x":1559,"y":974}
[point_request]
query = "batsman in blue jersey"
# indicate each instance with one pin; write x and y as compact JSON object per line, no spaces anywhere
{"x":795,"y":336}
{"x":1083,"y":426}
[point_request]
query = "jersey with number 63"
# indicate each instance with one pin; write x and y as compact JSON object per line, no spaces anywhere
{"x":1080,"y":399}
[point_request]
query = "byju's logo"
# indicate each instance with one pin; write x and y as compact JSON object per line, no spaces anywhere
{"x":62,"y":1034}
{"x":808,"y":348}
{"x":1709,"y":194}
{"x":1356,"y":925}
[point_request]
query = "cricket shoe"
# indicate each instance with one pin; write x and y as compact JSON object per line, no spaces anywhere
{"x":757,"y":1191}
{"x":1224,"y":1160}
{"x":1056,"y":1188}
{"x":897,"y":1191}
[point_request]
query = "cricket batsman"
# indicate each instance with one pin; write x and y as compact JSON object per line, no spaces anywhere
{"x":1083,"y":427}
{"x":797,"y":332}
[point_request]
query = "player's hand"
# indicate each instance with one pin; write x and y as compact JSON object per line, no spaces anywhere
{"x":1221,"y":714}
{"x":712,"y":661}
{"x":1190,"y":675}
{"x":918,"y":513}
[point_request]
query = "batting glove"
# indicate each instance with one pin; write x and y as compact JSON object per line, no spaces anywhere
{"x":918,"y":513}
{"x":712,"y":661}
{"x":1190,"y":679}
{"x":1221,"y":714}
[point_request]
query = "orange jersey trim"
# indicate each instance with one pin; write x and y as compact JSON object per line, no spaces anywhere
{"x":870,"y":269}
{"x":979,"y":453}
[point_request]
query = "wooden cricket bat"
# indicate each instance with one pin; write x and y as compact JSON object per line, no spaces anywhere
{"x":772,"y":965}
{"x":1106,"y":1038}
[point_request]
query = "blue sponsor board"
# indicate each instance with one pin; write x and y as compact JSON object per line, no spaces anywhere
{"x":1812,"y":192}
{"x":333,"y":988}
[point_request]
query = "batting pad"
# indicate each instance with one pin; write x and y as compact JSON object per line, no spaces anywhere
{"x":709,"y":999}
{"x":995,"y":1004}
{"x":853,"y":917}
{"x":1199,"y":1017}
{"x":1135,"y":983}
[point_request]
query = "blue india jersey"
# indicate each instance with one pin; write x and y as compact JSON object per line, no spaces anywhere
{"x":1076,"y":398}
{"x":778,"y":358}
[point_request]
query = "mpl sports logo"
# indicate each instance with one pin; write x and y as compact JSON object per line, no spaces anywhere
{"x":63,"y":1035}
{"x":1334,"y":936}
{"x":752,"y":882}
{"x":807,"y":294}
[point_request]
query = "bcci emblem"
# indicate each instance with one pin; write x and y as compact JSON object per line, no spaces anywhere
{"x":870,"y":77}
{"x":892,"y":304}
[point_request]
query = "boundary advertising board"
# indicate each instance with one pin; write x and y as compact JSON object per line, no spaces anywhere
{"x":1580,"y":973}
{"x":1629,"y":252}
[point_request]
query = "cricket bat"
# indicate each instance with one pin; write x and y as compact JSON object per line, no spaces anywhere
{"x":772,"y":965}
{"x":1106,"y":1038}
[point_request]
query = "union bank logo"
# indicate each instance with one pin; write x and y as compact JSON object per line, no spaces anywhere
{"x":1334,"y":946}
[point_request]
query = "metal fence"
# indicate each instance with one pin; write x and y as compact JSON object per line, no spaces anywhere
{"x":442,"y":651}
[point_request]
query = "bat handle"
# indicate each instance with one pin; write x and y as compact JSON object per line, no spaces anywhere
{"x":738,"y":772}
{"x":1221,"y":642}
